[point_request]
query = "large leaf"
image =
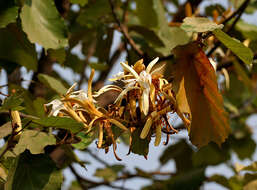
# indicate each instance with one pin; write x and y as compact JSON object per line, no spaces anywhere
{"x":60,"y":123}
{"x":94,"y":12}
{"x":199,"y":24}
{"x":181,"y":152}
{"x":15,"y":48}
{"x":197,"y":94}
{"x":243,"y":52}
{"x":86,"y":140}
{"x":210,"y":155}
{"x":110,"y":173}
{"x":153,"y":11}
{"x":138,"y":145}
{"x":34,"y":172}
{"x":5,"y":129}
{"x":8,"y":12}
{"x":43,"y":24}
{"x":248,"y":30}
{"x":12,"y":102}
{"x":53,"y":83}
{"x":34,"y":141}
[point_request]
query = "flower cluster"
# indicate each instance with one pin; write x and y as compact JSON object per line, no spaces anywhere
{"x":144,"y":100}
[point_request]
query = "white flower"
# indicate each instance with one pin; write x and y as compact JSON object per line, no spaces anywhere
{"x":144,"y":79}
{"x":57,"y":106}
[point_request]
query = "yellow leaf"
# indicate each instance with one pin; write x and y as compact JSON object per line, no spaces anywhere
{"x":197,"y":93}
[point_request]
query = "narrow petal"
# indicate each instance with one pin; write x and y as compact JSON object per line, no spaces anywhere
{"x":118,"y":124}
{"x":90,"y":80}
{"x":124,"y":92}
{"x":151,"y":64}
{"x":145,"y":103}
{"x":146,"y":128}
{"x":106,"y":89}
{"x":158,"y":136}
{"x":129,"y":69}
{"x":158,"y":69}
{"x":71,"y":89}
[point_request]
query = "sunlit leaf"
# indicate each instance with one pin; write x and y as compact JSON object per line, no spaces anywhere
{"x":5,"y":129}
{"x":53,"y":83}
{"x":34,"y":141}
{"x":31,"y":172}
{"x":43,"y":24}
{"x":199,"y":24}
{"x":251,"y":185}
{"x":243,"y":52}
{"x":60,"y":123}
{"x":197,"y":94}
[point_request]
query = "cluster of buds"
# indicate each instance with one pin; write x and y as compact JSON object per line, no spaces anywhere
{"x":144,"y":100}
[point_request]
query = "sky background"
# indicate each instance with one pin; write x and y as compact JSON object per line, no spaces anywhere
{"x":132,"y":161}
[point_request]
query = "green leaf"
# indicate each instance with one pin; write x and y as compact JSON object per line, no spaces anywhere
{"x":12,"y":102}
{"x":138,"y":145}
{"x":242,"y":73}
{"x":209,"y":9}
{"x":60,"y":123}
{"x":80,"y":2}
{"x":15,"y":48}
{"x":199,"y":24}
{"x":58,"y":55}
{"x":5,"y":129}
{"x":75,"y":186}
{"x":99,"y":66}
{"x":149,"y":15}
{"x":248,"y":30}
{"x":192,"y":179}
{"x":169,"y":36}
{"x":34,"y":141}
{"x":94,"y":13}
{"x":210,"y":155}
{"x":220,"y":180}
{"x":86,"y":140}
{"x":181,"y":152}
{"x":244,"y":147}
{"x":53,"y":83}
{"x":43,"y":24}
{"x":244,"y":53}
{"x":8,"y":13}
{"x":110,"y":173}
{"x":32,"y":172}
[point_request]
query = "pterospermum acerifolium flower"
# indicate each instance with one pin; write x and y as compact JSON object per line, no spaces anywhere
{"x":143,"y":103}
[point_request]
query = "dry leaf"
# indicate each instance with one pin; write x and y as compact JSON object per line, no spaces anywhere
{"x":197,"y":93}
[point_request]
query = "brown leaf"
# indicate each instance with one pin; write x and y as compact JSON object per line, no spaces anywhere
{"x":196,"y":89}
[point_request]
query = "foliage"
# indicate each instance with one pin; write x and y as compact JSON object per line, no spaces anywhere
{"x":200,"y":67}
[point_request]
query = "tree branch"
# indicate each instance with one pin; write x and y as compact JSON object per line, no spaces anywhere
{"x":124,"y":31}
{"x":240,"y":11}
